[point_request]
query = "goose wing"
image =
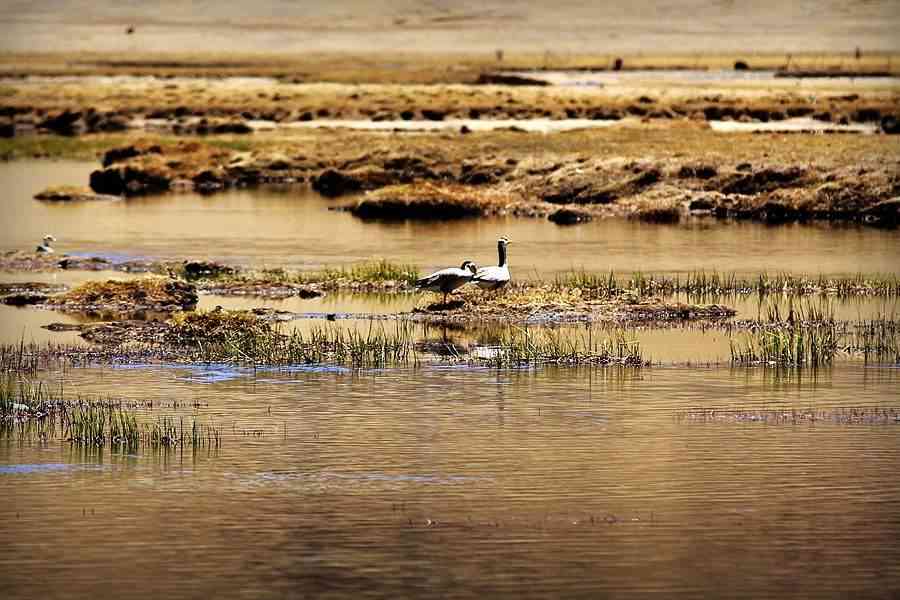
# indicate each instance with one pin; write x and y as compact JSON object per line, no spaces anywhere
{"x":491,"y":275}
{"x":441,"y":275}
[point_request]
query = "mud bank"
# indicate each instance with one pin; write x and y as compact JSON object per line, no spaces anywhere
{"x":222,"y":106}
{"x":435,"y":185}
{"x":548,"y":304}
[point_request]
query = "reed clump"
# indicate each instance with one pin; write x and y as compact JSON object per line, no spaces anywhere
{"x":876,"y":340}
{"x":703,"y":283}
{"x":791,"y":345}
{"x":38,"y":412}
{"x":241,"y":337}
{"x":523,"y":346}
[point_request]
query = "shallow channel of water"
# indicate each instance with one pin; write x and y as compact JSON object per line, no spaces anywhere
{"x":455,"y":483}
{"x":293,"y":227}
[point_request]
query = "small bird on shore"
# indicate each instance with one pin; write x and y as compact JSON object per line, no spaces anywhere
{"x":494,"y":278}
{"x":44,"y":247}
{"x":447,"y":280}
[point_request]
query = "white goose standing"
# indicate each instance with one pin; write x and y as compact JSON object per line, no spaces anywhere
{"x":45,"y":247}
{"x":447,"y":280}
{"x":494,"y":278}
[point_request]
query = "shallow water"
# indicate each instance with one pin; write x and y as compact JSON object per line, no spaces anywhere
{"x":694,"y":77}
{"x":300,"y":232}
{"x":666,"y":344}
{"x":793,"y":125}
{"x":446,"y":480}
{"x":453,"y":482}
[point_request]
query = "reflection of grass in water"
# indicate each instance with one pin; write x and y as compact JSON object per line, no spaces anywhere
{"x":37,"y":412}
{"x":702,"y":283}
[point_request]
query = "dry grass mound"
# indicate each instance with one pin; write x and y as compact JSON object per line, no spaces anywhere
{"x":216,"y":326}
{"x":428,"y":200}
{"x":153,"y":293}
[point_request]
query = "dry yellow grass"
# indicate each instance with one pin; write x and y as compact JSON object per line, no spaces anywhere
{"x":134,"y":294}
{"x":415,"y":67}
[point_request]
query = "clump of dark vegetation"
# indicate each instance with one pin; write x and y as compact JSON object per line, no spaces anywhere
{"x":153,"y":293}
{"x":192,"y":270}
{"x":428,"y":201}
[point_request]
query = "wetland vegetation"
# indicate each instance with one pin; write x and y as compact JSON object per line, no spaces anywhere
{"x":32,"y":412}
{"x":223,"y":369}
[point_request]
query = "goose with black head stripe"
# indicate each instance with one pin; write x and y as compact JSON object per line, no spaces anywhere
{"x":45,"y":247}
{"x":447,"y":280}
{"x":494,"y":278}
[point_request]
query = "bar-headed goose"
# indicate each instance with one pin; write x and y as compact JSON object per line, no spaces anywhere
{"x":447,"y":280}
{"x":494,"y":278}
{"x":45,"y":247}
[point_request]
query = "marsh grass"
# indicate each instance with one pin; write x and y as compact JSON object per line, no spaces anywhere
{"x":374,"y":272}
{"x":382,"y":345}
{"x":242,"y":338}
{"x":522,"y":346}
{"x":792,"y":345}
{"x":705,"y":284}
{"x":876,"y":340}
{"x":806,"y":334}
{"x":378,"y":270}
{"x":38,"y":412}
{"x":54,"y":146}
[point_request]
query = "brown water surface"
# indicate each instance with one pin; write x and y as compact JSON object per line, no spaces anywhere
{"x":444,"y":480}
{"x":455,"y":482}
